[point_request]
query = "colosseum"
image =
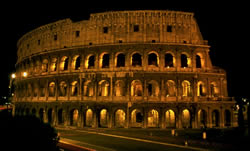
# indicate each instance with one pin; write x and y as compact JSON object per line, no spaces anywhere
{"x":123,"y":69}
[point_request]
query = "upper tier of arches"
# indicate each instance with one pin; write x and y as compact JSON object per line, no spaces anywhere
{"x":196,"y":60}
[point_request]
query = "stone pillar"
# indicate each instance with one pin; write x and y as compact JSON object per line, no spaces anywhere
{"x":81,"y":88}
{"x":162,"y":119}
{"x":222,"y":118}
{"x":57,"y":89}
{"x":110,"y":119}
{"x":45,"y":115}
{"x":178,"y":119}
{"x":194,"y":119}
{"x":80,"y":119}
{"x":145,"y":118}
{"x":95,"y":121}
{"x":127,"y":117}
{"x":64,"y":116}
{"x":54,"y":115}
{"x":209,"y":118}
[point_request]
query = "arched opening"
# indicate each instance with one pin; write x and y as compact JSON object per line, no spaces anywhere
{"x":88,"y":88}
{"x":53,"y":65}
{"x":136,"y":60}
{"x":136,"y":88}
{"x":214,"y":89}
{"x":169,"y":60}
{"x":120,"y":60}
{"x":170,"y":119}
{"x":50,"y":116}
{"x":153,"y":118}
{"x":198,"y":61}
{"x":60,"y":117}
{"x":184,"y":61}
{"x":45,"y":65}
{"x":64,"y":63}
{"x":136,"y":118}
{"x":104,"y":60}
{"x":90,"y":63}
{"x":74,"y":88}
{"x":119,"y":88}
{"x":74,"y":117}
{"x":52,"y":87}
{"x":41,"y":114}
{"x":170,"y":88}
{"x":186,"y":119}
{"x":89,"y":118}
{"x":186,"y":89}
{"x":103,"y":88}
{"x":104,"y":118}
{"x":215,"y":118}
{"x":227,"y":118}
{"x":153,"y":59}
{"x":201,"y":89}
{"x":63,"y":89}
{"x":202,"y":118}
{"x":120,"y":118}
{"x":76,"y":63}
{"x":153,"y":88}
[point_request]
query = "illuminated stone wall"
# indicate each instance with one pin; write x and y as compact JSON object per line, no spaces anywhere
{"x":122,"y":69}
{"x":113,"y":28}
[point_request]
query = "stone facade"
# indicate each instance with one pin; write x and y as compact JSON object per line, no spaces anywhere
{"x":122,"y":69}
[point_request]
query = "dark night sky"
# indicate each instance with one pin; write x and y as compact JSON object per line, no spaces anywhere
{"x":223,"y":25}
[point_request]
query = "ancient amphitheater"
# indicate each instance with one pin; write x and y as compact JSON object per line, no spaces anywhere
{"x":122,"y":69}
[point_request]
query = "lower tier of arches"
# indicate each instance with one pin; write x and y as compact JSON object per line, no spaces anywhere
{"x":128,"y":115}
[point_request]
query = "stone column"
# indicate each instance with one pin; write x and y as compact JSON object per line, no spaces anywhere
{"x":222,"y":117}
{"x":178,"y":119}
{"x":162,"y":119}
{"x":95,"y":121}
{"x":79,"y":120}
{"x":145,"y":118}
{"x":110,"y":119}
{"x":209,"y":118}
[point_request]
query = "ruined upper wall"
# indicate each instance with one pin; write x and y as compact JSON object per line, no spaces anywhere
{"x":144,"y":26}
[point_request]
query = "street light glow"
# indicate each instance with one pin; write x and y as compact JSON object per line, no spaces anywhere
{"x":13,"y":75}
{"x":25,"y":74}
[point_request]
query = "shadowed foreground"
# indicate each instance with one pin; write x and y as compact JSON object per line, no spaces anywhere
{"x":26,"y":133}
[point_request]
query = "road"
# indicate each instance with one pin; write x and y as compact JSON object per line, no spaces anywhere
{"x":108,"y":142}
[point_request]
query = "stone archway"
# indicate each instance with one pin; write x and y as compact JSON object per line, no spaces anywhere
{"x":103,"y":119}
{"x":136,"y":118}
{"x":89,"y":118}
{"x":170,"y":119}
{"x":215,"y":118}
{"x":153,"y":118}
{"x":186,"y":118}
{"x":202,"y":118}
{"x":74,"y":116}
{"x":120,"y":118}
